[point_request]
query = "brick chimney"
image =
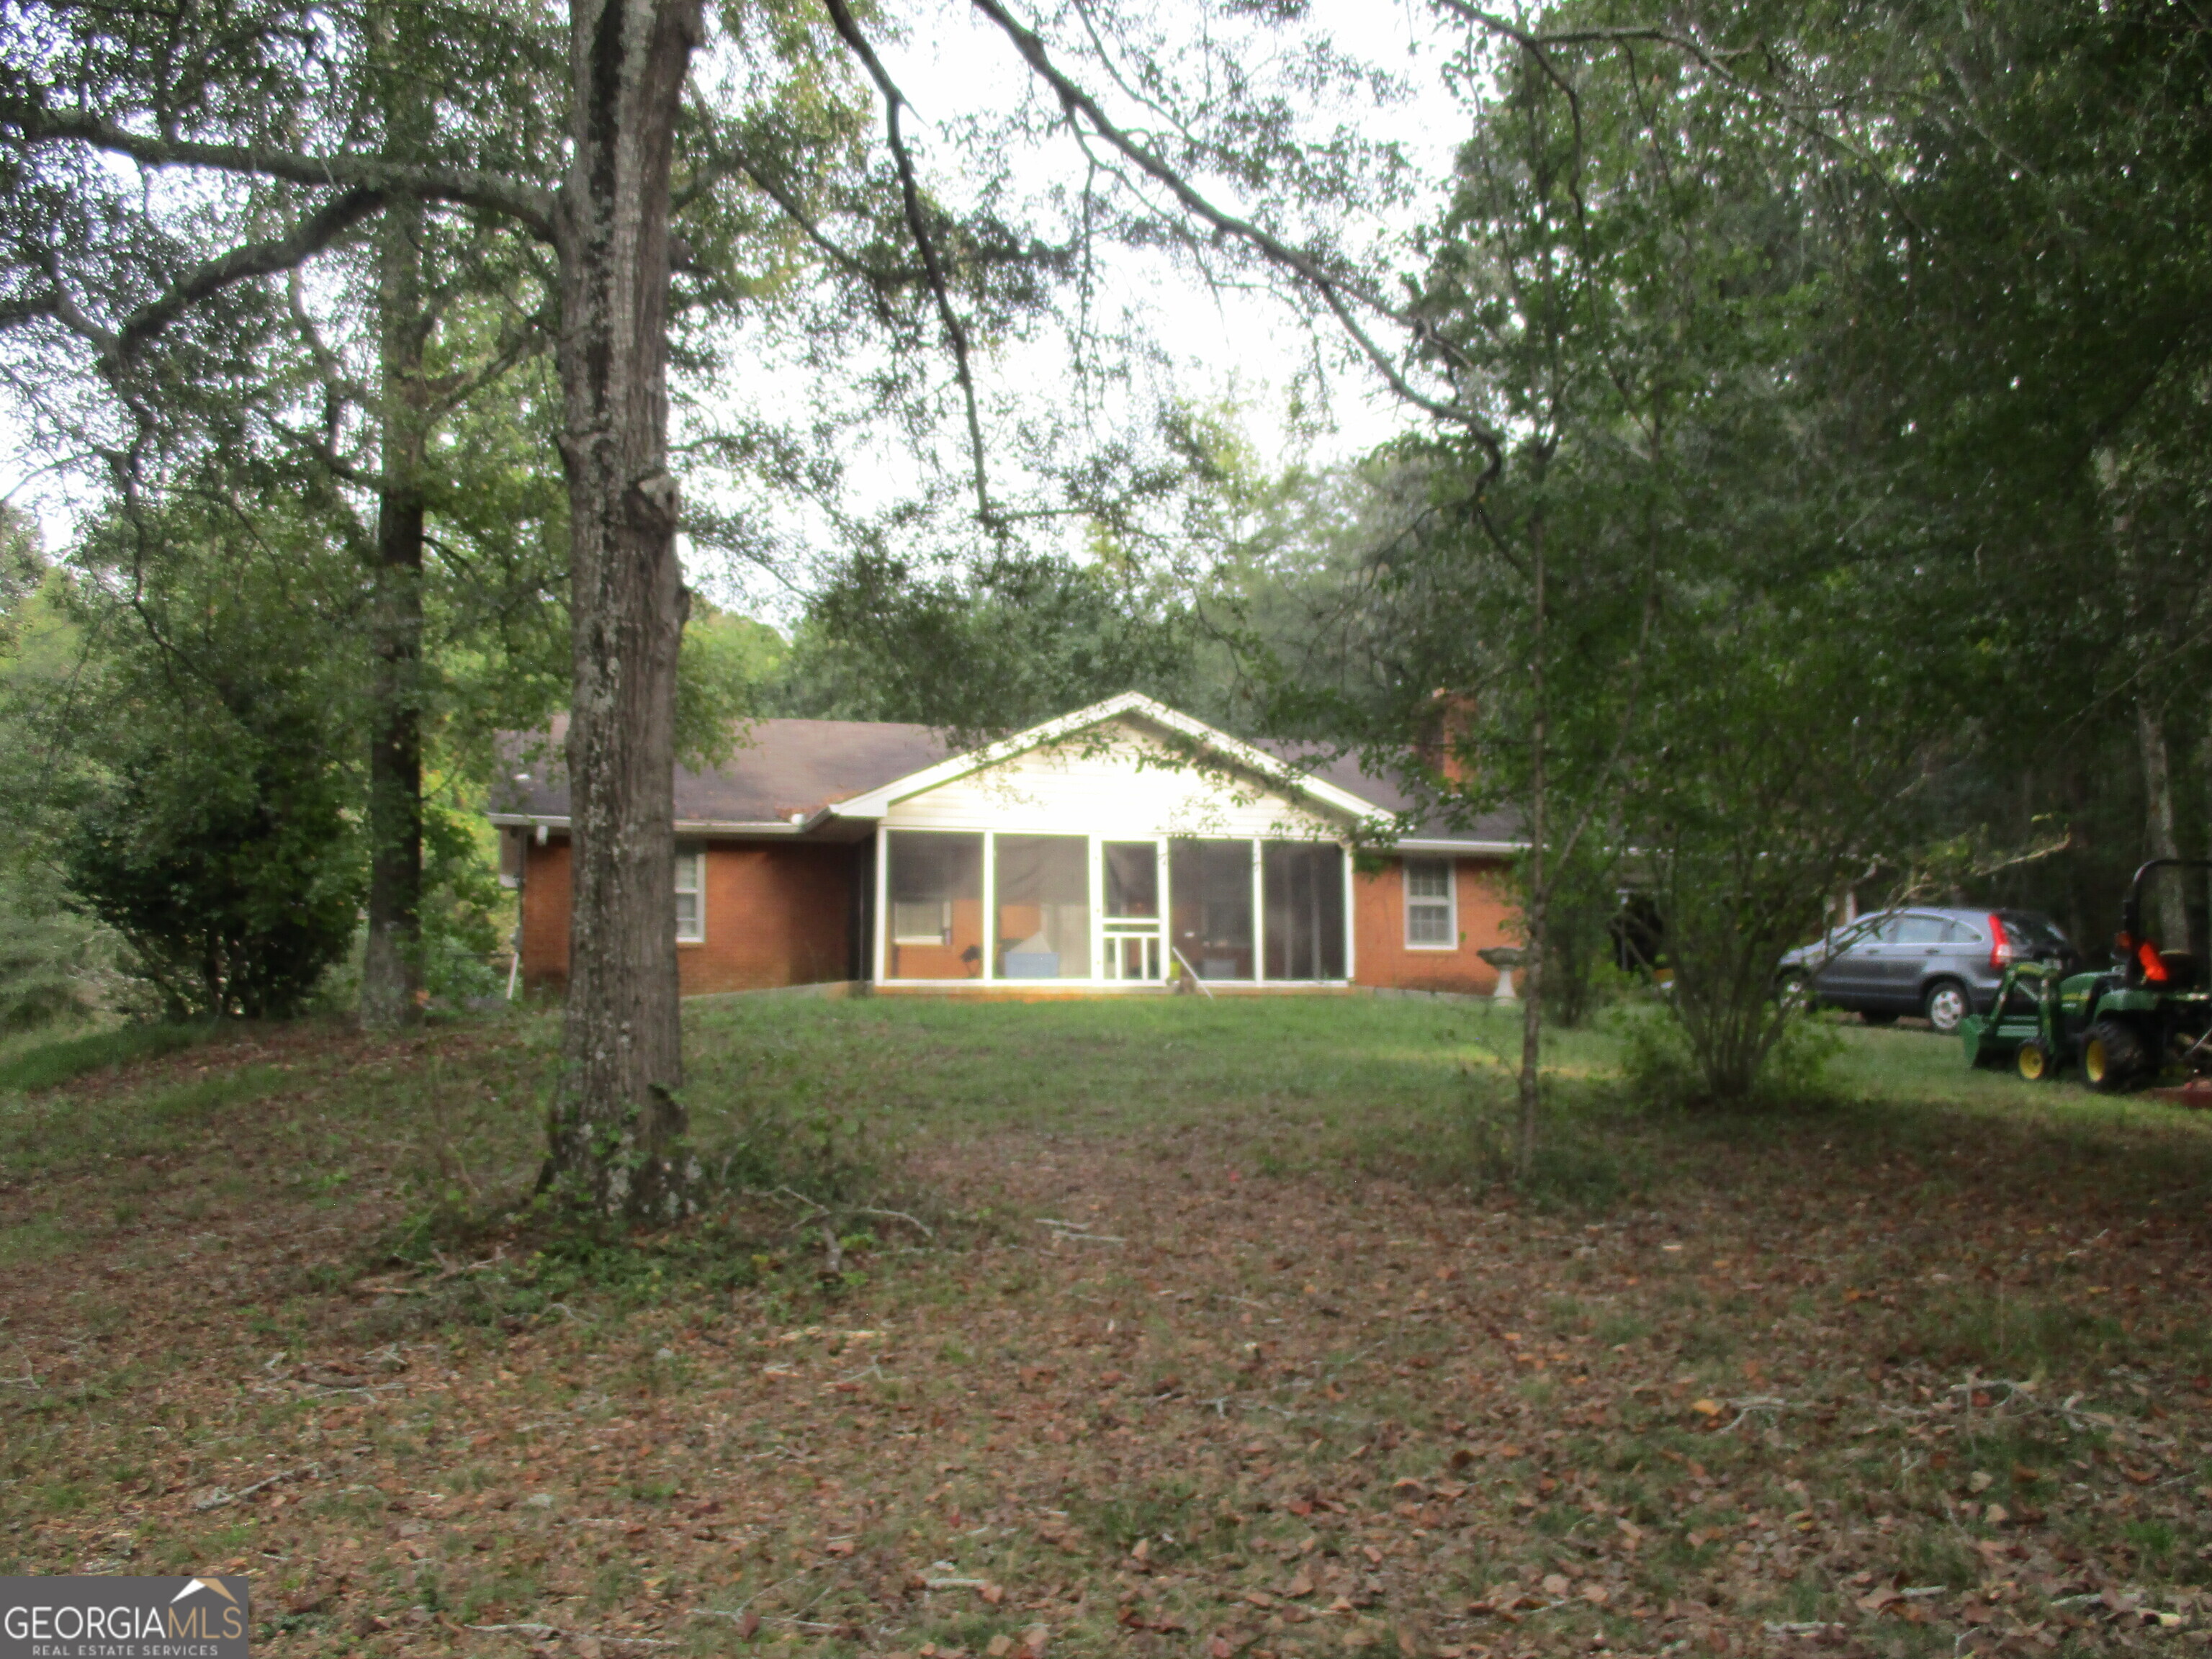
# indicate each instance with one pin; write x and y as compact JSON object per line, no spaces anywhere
{"x":1451,"y":723}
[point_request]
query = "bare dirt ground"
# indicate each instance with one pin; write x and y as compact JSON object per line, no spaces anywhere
{"x":1119,"y":1396}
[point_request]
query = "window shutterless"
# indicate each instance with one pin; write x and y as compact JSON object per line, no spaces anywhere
{"x":690,"y":892}
{"x":1431,"y":923}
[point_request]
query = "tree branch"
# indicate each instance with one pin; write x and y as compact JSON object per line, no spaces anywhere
{"x":1711,"y":58}
{"x":30,"y":123}
{"x":955,"y":332}
{"x":254,"y":259}
{"x":795,"y":210}
{"x":1332,"y":287}
{"x":329,"y":368}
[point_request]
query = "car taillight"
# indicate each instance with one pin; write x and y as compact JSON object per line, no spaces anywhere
{"x":2001,"y":951}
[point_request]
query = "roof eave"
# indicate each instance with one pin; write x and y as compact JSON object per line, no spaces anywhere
{"x":1448,"y":844}
{"x":683,"y":826}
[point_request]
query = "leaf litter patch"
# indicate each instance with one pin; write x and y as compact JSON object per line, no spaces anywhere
{"x":1167,"y":1406}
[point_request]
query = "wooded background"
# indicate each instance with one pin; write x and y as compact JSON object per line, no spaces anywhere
{"x":1803,"y":492}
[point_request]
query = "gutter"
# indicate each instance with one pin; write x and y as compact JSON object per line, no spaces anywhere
{"x":814,"y":820}
{"x":799,"y":826}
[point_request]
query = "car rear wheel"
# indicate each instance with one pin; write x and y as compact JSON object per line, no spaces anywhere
{"x":1946,"y":1005}
{"x":2111,"y":1057}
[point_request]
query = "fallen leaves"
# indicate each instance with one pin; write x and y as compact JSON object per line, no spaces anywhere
{"x":1314,"y":1440}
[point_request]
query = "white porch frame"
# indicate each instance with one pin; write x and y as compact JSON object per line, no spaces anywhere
{"x":878,"y":943}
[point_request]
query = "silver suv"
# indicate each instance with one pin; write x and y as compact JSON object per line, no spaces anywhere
{"x":1944,"y":965}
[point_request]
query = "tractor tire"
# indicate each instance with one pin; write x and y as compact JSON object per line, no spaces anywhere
{"x":1946,"y":1004}
{"x":2034,"y":1062}
{"x":2112,"y":1057}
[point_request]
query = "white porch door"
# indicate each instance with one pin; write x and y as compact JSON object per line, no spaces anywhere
{"x":1132,"y":936}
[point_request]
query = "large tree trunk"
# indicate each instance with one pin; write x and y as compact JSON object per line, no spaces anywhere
{"x":617,"y":1129}
{"x":391,"y":971}
{"x":2169,"y":892}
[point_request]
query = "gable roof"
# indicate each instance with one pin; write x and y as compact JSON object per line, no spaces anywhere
{"x":833,"y":780}
{"x":781,"y":769}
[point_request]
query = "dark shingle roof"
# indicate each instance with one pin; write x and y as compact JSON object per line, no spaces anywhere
{"x":780,"y":767}
{"x":1504,"y":826}
{"x":783,"y":766}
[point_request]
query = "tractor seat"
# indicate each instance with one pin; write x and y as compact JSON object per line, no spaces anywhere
{"x":2182,"y":973}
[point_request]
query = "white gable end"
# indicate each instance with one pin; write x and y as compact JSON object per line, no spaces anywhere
{"x":1112,"y":780}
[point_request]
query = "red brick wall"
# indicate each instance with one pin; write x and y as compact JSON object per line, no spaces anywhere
{"x":775,"y":915}
{"x":1488,"y":916}
{"x":943,"y":961}
{"x":545,"y":915}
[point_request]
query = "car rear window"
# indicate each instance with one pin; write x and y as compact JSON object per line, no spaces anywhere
{"x":1962,"y":932}
{"x":2033,"y":932}
{"x":1921,"y":930}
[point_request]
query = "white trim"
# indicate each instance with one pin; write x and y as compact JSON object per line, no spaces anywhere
{"x":942,"y":936}
{"x":1406,"y":901}
{"x":681,"y":826}
{"x":698,"y":937}
{"x":879,"y":925}
{"x":1259,"y":857}
{"x":1162,"y":867}
{"x":1350,"y":919}
{"x":1047,"y":986}
{"x":987,"y":969}
{"x":778,"y":827}
{"x":886,"y":941}
{"x":1094,"y":858}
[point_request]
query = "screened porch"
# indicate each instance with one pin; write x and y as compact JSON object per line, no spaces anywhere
{"x":956,"y":906}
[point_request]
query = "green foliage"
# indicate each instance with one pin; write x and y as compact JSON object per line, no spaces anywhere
{"x":1026,"y":637}
{"x":230,"y":870}
{"x":829,"y":1157}
{"x":1662,"y":1065}
{"x":50,"y":1064}
{"x":212,"y":818}
{"x":1581,"y":978}
{"x":725,"y":662}
{"x":22,"y":572}
{"x":38,"y":979}
{"x":461,"y":899}
{"x":53,"y":963}
{"x":1584,"y":1163}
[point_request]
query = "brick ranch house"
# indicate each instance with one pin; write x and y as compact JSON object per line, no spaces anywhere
{"x":1114,"y":850}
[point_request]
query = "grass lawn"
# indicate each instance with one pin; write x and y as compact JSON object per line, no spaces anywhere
{"x":1167,"y":1327}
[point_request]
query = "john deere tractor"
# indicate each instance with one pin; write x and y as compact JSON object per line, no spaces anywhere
{"x":2125,"y":1026}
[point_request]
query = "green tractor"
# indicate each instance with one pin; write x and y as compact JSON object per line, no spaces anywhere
{"x":2125,"y":1026}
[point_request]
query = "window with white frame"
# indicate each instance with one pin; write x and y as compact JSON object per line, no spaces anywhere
{"x":933,"y":895}
{"x":1431,"y":921}
{"x":921,"y":921}
{"x":690,"y":893}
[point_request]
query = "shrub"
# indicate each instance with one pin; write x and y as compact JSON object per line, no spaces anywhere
{"x":52,"y":964}
{"x":1663,"y":1066}
{"x":225,"y":857}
